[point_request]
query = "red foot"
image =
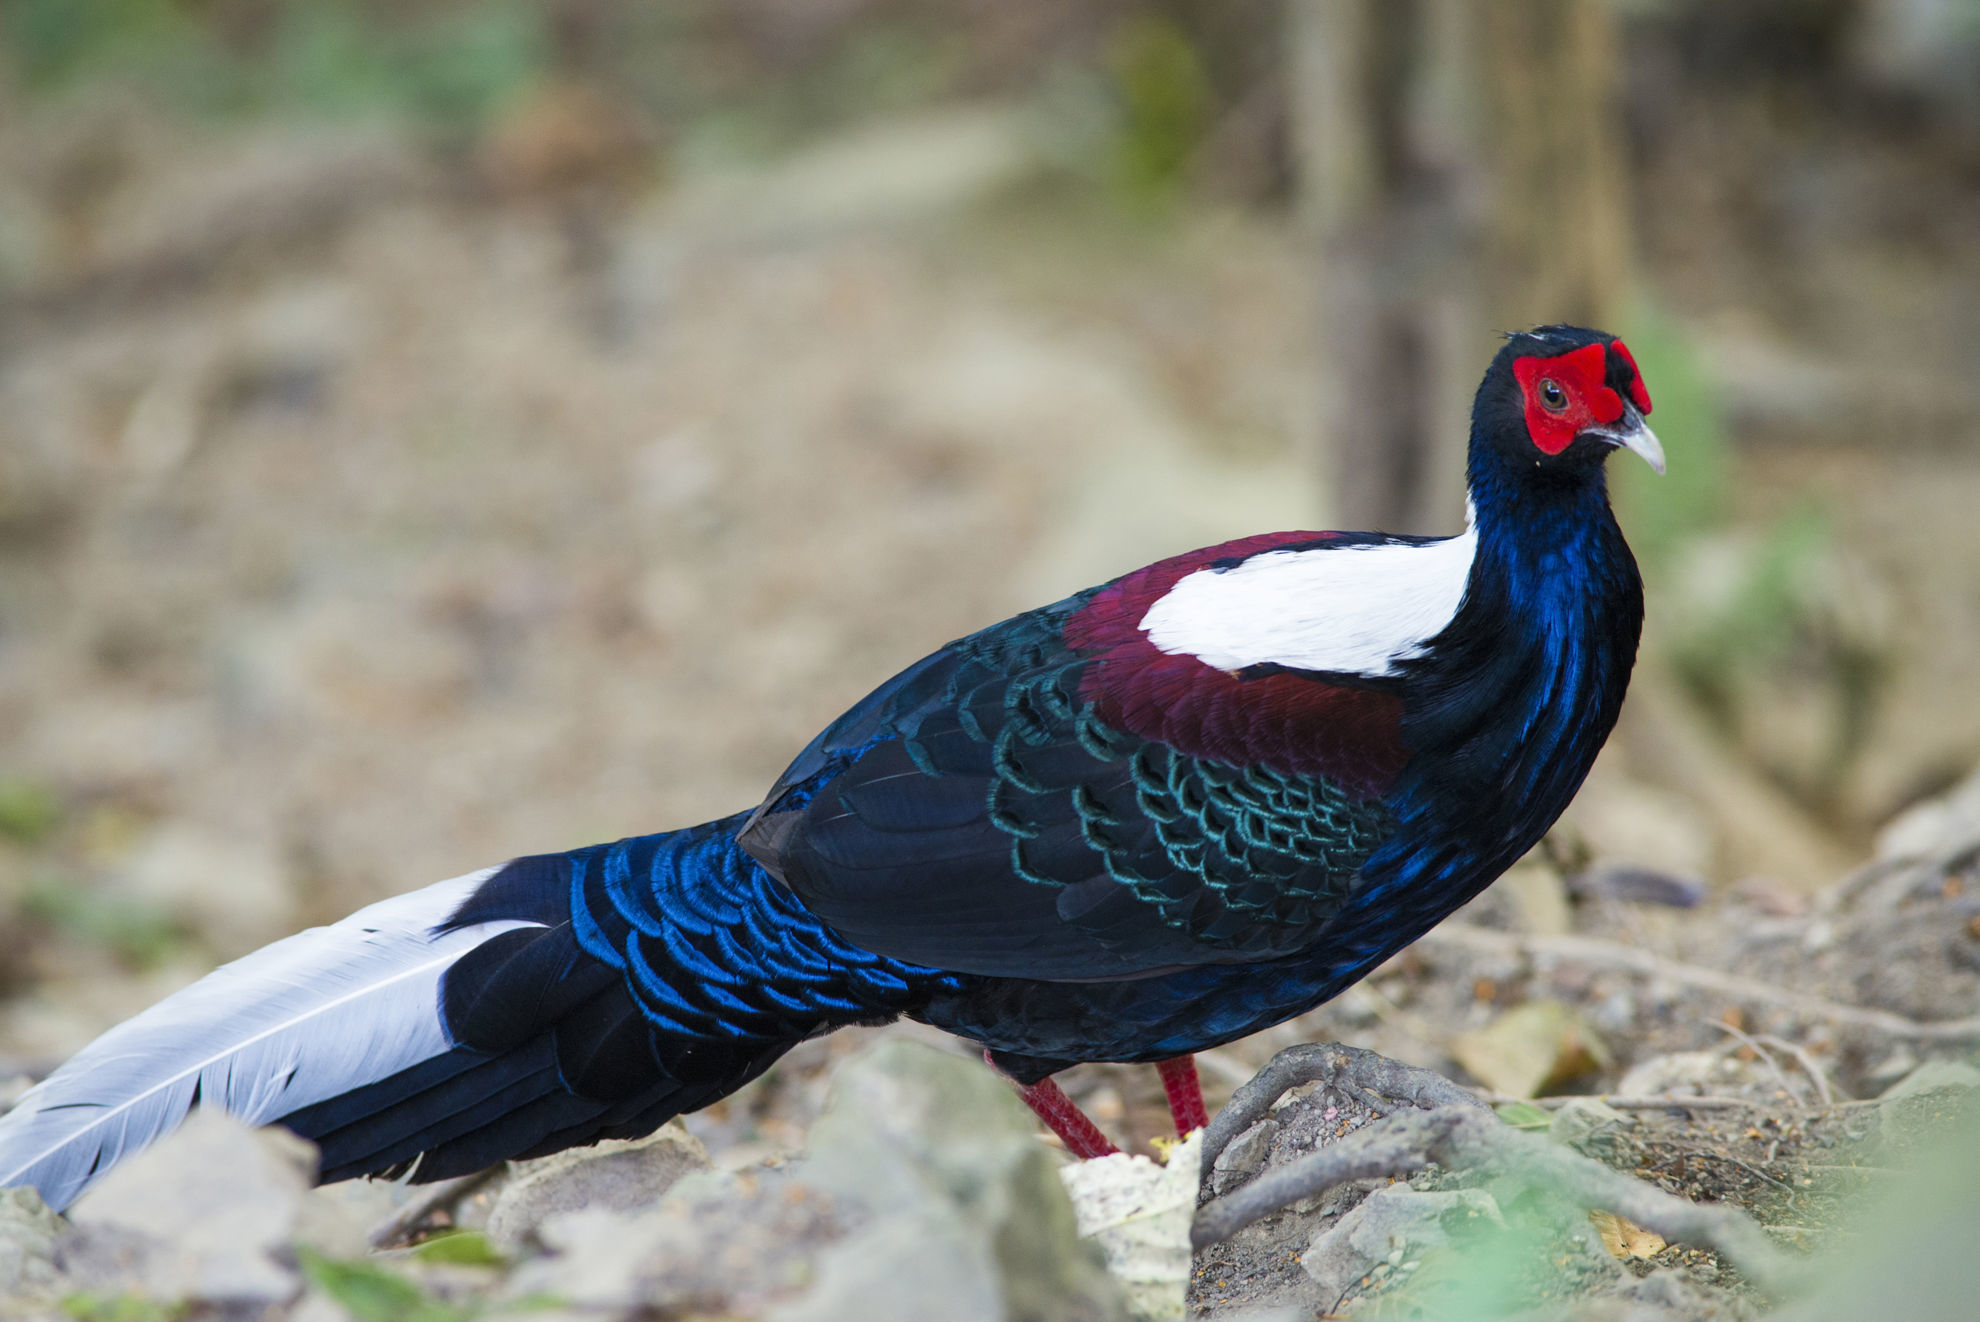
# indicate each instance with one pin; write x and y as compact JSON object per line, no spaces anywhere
{"x":1185,"y":1092}
{"x":1049,"y":1102}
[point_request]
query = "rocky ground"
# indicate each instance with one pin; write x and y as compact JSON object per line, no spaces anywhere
{"x":370,"y":513}
{"x":925,"y":1190}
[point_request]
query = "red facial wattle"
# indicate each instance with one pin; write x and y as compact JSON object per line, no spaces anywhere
{"x":1585,"y":400}
{"x":1639,"y":394}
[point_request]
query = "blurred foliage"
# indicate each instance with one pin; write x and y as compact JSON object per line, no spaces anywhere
{"x":370,"y":1293}
{"x":1523,"y":1115}
{"x":123,"y":1308}
{"x":454,"y":69}
{"x":1910,"y":1243}
{"x":1164,"y":106}
{"x":462,"y":1248}
{"x":1663,"y":513}
{"x":137,"y":935}
{"x":730,"y":81}
{"x":1491,"y":1270}
{"x":1750,"y":619}
{"x":878,"y":70}
{"x":29,"y":811}
{"x":445,"y":64}
{"x":1906,"y":1253}
{"x":1780,"y":617}
{"x":1756,"y":614}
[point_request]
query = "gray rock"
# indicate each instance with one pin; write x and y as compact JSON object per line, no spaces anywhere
{"x":1244,"y":1158}
{"x":717,"y":1242}
{"x":617,"y":1176}
{"x":1139,"y":1212}
{"x":916,"y":1133}
{"x":1390,"y":1222}
{"x":207,"y":1214}
{"x":926,"y":1194}
{"x":1931,"y":1076}
{"x":903,"y":1268}
{"x":28,"y":1231}
{"x":1581,"y":1118}
{"x":1666,"y":1296}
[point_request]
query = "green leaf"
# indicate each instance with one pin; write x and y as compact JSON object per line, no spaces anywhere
{"x":370,"y":1293}
{"x":1524,"y":1115}
{"x":88,"y":1307}
{"x":465,"y":1248}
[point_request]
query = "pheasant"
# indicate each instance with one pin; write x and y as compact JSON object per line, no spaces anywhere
{"x":1151,"y":818}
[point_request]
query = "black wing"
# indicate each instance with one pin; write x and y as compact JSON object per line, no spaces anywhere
{"x":974,"y":814}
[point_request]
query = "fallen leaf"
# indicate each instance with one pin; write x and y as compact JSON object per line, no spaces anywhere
{"x":1625,"y":1239}
{"x":1524,"y":1115}
{"x":1531,"y":1047}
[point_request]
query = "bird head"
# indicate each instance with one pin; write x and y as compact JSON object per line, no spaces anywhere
{"x":1559,"y":398}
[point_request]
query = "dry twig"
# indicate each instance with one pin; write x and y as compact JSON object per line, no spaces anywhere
{"x":1760,"y":1053}
{"x":1627,"y":1102}
{"x":441,"y":1194}
{"x":1464,"y":1138}
{"x":1464,"y":936}
{"x":1457,"y":1132}
{"x":1824,"y":1094}
{"x":1362,"y":1075}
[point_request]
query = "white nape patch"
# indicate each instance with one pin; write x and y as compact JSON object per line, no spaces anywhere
{"x":1353,"y":609}
{"x":292,"y":1024}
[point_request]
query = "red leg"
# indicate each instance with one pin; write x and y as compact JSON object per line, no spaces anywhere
{"x":1049,"y":1102}
{"x":1185,"y":1092}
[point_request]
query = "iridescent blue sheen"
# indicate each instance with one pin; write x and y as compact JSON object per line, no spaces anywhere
{"x":713,"y":946}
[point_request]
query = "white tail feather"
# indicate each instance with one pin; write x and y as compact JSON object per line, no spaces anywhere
{"x":292,"y":1024}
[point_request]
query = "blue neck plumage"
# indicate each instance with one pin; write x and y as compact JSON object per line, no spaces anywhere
{"x":1507,"y":708}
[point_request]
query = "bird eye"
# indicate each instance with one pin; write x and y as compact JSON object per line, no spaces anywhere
{"x":1552,"y":397}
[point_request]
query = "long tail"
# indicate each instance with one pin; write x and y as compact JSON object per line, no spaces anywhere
{"x":554,"y":1001}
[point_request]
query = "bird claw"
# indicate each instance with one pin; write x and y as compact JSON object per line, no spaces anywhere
{"x":1371,"y":1080}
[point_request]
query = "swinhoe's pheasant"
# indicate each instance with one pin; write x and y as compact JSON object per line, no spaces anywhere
{"x":1156,"y":816}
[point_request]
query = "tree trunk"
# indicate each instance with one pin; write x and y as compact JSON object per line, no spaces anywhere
{"x":1457,"y":175}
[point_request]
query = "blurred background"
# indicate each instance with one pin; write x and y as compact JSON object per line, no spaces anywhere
{"x":435,"y":431}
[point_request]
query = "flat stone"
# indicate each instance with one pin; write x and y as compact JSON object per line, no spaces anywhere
{"x":908,"y":1267}
{"x":1931,"y":1076}
{"x":1245,"y":1156}
{"x":732,"y":1244}
{"x":1389,"y":1219}
{"x":1581,"y":1118}
{"x":912,"y":1131}
{"x":926,"y":1194}
{"x":1139,"y":1213}
{"x":28,"y":1231}
{"x":615,"y":1175}
{"x":208,"y":1214}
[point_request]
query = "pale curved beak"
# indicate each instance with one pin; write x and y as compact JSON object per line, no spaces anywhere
{"x":1630,"y":432}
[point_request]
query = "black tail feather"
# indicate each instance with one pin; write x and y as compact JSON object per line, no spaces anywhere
{"x":585,"y":1024}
